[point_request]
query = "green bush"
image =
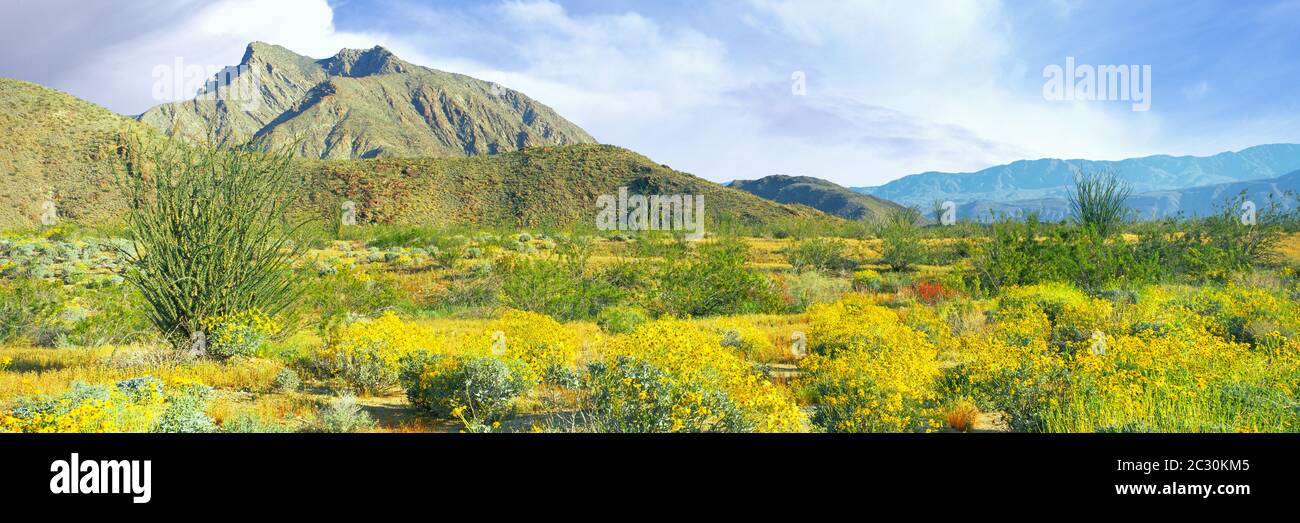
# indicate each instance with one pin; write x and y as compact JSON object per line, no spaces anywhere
{"x":340,"y":415}
{"x":448,"y":254}
{"x":716,"y":281}
{"x":477,"y":390}
{"x":340,"y":296}
{"x":185,"y":411}
{"x":1211,"y":248}
{"x":286,"y":381}
{"x":825,"y":254}
{"x":25,"y":305}
{"x":248,"y":423}
{"x":633,"y":396}
{"x":210,"y":233}
{"x":1099,"y":201}
{"x":806,"y":289}
{"x":561,"y":285}
{"x":361,"y":369}
{"x":621,"y":319}
{"x":900,"y":237}
{"x":474,"y":291}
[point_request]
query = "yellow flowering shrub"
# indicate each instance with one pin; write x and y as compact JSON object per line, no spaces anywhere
{"x":134,"y":405}
{"x":748,"y":340}
{"x":869,"y":372}
{"x":476,"y":378}
{"x":1248,"y":315}
{"x":542,"y":343}
{"x":477,"y":390}
{"x":238,"y":334}
{"x":1073,"y":315}
{"x":670,"y":375}
{"x":867,"y":280}
{"x":366,"y":354}
{"x":1170,"y":361}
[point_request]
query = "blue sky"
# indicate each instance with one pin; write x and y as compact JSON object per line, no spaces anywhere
{"x":892,"y":87}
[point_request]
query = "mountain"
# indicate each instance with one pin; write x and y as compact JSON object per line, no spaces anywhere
{"x":1190,"y":202}
{"x":1051,"y":178}
{"x":819,"y":194}
{"x":54,"y":146}
{"x":361,"y":104}
{"x":1210,"y":199}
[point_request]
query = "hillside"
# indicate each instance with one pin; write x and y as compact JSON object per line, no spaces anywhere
{"x":1052,"y":178}
{"x":54,"y":146}
{"x":536,"y":186}
{"x":818,"y":194}
{"x":364,"y":104}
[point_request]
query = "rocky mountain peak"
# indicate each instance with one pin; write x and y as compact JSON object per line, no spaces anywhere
{"x":365,"y":62}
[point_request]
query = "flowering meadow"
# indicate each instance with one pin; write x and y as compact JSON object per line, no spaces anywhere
{"x":412,"y":330}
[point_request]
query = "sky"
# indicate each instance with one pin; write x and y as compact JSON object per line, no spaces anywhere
{"x":857,"y":92}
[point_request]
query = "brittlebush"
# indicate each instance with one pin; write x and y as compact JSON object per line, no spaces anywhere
{"x":542,"y":343}
{"x":134,"y":405}
{"x":869,"y":372}
{"x":686,"y":370}
{"x":1177,"y":359}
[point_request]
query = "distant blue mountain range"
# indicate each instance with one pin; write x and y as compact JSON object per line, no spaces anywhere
{"x":1162,"y":179}
{"x":1194,"y":201}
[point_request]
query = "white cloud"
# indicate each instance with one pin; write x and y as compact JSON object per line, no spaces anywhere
{"x":680,"y":96}
{"x":955,"y":64}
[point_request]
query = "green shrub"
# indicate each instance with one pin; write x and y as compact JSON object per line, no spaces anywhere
{"x":361,"y":369}
{"x":716,"y":281}
{"x":621,"y":319}
{"x":185,"y":411}
{"x":1099,"y":201}
{"x":825,"y":254}
{"x":209,"y":231}
{"x":476,"y":390}
{"x":561,"y":285}
{"x":341,"y":296}
{"x":340,"y":415}
{"x":286,"y":381}
{"x":25,"y":305}
{"x":805,"y":289}
{"x":900,"y":236}
{"x":447,"y":255}
{"x":631,"y":395}
{"x":248,"y":423}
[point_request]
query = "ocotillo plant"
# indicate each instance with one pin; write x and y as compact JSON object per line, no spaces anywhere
{"x":209,"y":231}
{"x":1099,"y":200}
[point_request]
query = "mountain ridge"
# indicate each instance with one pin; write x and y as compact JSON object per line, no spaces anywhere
{"x":819,"y":194}
{"x":1048,"y":178}
{"x":361,"y":103}
{"x":1191,"y":202}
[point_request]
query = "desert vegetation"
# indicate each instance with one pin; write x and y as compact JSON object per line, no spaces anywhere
{"x":1094,"y":324}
